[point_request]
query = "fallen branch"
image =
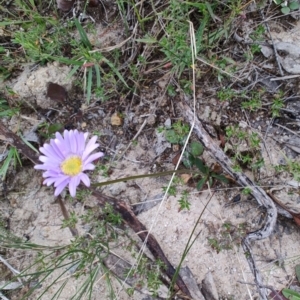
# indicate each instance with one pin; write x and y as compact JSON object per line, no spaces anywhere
{"x":14,"y":140}
{"x":258,"y":193}
{"x":132,"y":221}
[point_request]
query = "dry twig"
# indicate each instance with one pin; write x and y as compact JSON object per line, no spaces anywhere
{"x":260,"y":195}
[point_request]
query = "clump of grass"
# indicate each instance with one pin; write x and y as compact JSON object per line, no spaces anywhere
{"x":249,"y":155}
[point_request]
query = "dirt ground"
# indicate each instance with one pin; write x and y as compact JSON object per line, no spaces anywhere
{"x":221,"y":221}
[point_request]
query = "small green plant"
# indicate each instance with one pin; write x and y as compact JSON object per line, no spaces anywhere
{"x":246,"y":191}
{"x":12,"y":157}
{"x":287,"y":6}
{"x":226,"y":94}
{"x":254,"y":103}
{"x":6,"y":110}
{"x":291,"y":166}
{"x":225,"y":236}
{"x":48,"y":130}
{"x":244,"y":158}
{"x":110,"y":216}
{"x":71,"y":222}
{"x":172,"y":191}
{"x":171,"y":91}
{"x":183,"y":201}
{"x":257,"y":36}
{"x":226,"y":64}
{"x":178,"y":132}
{"x":278,"y":104}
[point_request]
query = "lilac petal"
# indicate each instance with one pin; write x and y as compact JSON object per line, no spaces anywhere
{"x":73,"y":143}
{"x":41,"y":167}
{"x":74,"y":182}
{"x":43,"y":158}
{"x":55,"y":148}
{"x":88,"y":167}
{"x":59,"y":188}
{"x":67,"y":144}
{"x":93,"y":157}
{"x":52,"y":173}
{"x":47,"y":166}
{"x":59,"y":136}
{"x":85,"y":179}
{"x":49,"y":151}
{"x":61,"y":145}
{"x":91,"y":145}
{"x":49,"y":181}
{"x":80,"y":143}
{"x":89,"y":150}
{"x":86,"y":134}
{"x":60,"y":179}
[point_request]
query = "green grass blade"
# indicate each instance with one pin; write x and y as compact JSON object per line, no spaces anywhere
{"x":89,"y":85}
{"x":115,"y":71}
{"x":83,"y":35}
{"x":66,"y":60}
{"x":200,"y":32}
{"x":73,"y":71}
{"x":7,"y":161}
{"x":98,"y":76}
{"x":28,"y":144}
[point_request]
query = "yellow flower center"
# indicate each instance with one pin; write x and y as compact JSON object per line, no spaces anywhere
{"x":71,"y":166}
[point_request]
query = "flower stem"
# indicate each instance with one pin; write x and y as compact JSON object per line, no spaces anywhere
{"x":66,"y":215}
{"x":183,"y":171}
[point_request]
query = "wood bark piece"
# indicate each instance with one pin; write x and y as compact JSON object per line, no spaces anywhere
{"x":14,"y":140}
{"x":140,"y":229}
{"x":258,"y":193}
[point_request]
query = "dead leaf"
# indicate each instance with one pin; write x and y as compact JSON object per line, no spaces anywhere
{"x":185,"y":177}
{"x":276,"y":296}
{"x":65,"y":5}
{"x":116,"y":119}
{"x":297,"y":220}
{"x":56,"y":92}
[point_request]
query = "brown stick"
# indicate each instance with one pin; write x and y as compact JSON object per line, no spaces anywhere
{"x":259,"y":194}
{"x":8,"y":136}
{"x":130,"y":218}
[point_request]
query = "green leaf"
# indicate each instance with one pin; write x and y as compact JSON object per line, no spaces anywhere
{"x":290,"y":294}
{"x":277,"y":2}
{"x":220,"y":177}
{"x":200,"y":6}
{"x":54,"y":128}
{"x":285,"y":10}
{"x":188,"y":160}
{"x":98,"y":76}
{"x":294,"y":5}
{"x":200,"y":165}
{"x":73,"y":71}
{"x":148,"y":40}
{"x":196,"y":148}
{"x":172,"y":137}
{"x":6,"y":163}
{"x":83,"y":35}
{"x":297,"y":270}
{"x":201,"y":182}
{"x":29,"y":144}
{"x":89,"y":85}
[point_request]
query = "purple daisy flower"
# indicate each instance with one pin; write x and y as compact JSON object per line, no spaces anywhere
{"x":66,"y":158}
